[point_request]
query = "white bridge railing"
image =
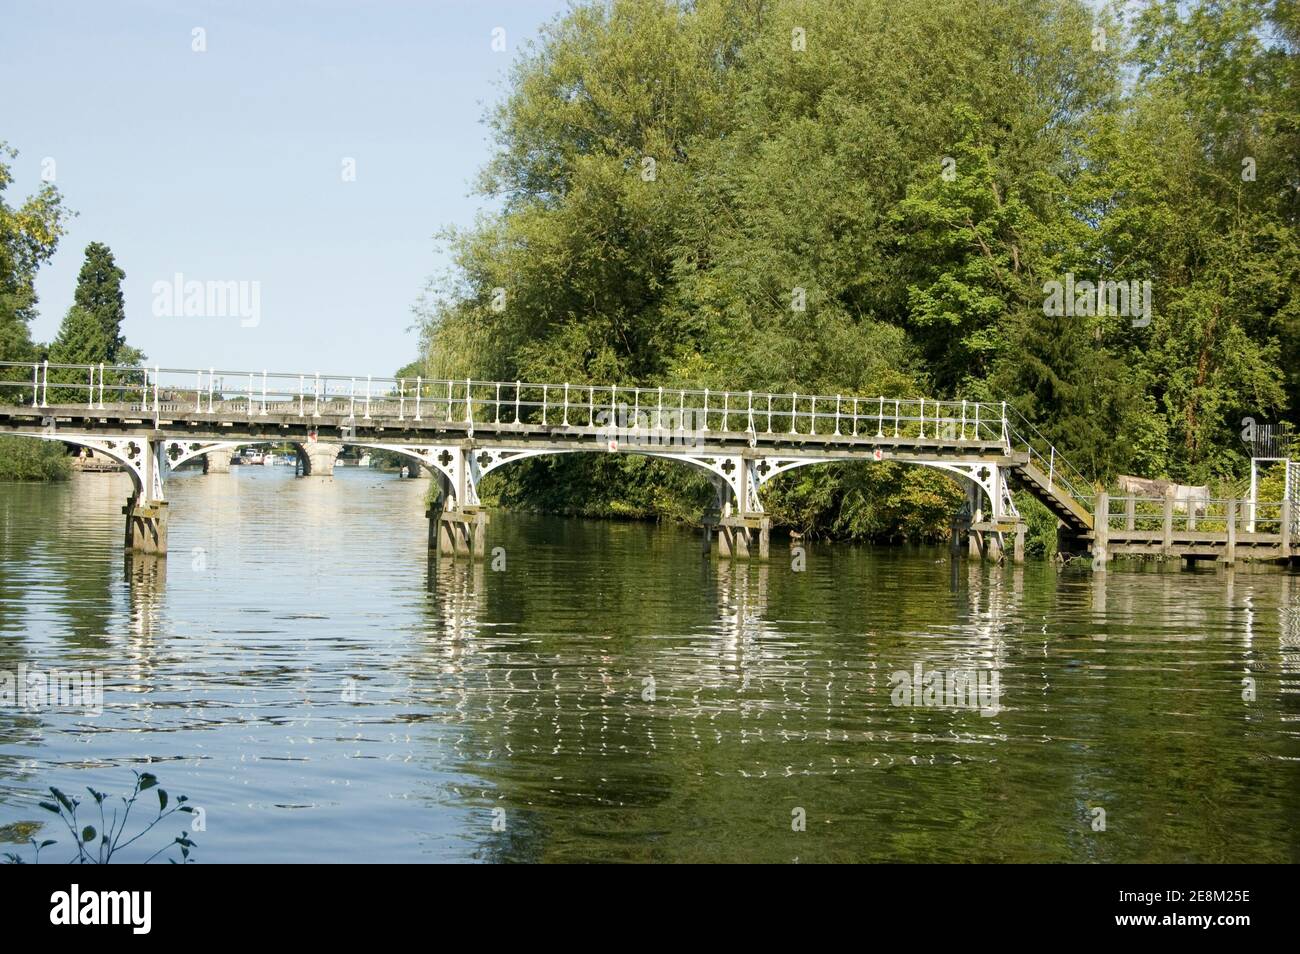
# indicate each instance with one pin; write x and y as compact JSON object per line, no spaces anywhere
{"x":518,"y":405}
{"x":496,"y":404}
{"x":1025,"y":437}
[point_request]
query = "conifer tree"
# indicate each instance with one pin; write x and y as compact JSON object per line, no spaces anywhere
{"x":99,"y":292}
{"x":82,"y":341}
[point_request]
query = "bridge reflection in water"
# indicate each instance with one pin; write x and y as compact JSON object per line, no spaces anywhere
{"x":1092,"y":668}
{"x":741,"y":677}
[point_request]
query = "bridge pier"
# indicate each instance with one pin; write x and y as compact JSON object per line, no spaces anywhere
{"x":986,"y":534}
{"x":216,"y":462}
{"x":317,"y":459}
{"x":146,"y":508}
{"x":458,"y":532}
{"x":457,"y":520}
{"x":988,"y":539}
{"x":741,"y":538}
{"x":743,"y":531}
{"x":146,"y":525}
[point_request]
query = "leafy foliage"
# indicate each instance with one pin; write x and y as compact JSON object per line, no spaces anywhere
{"x":29,"y":234}
{"x":913,"y":177}
{"x":99,"y":845}
{"x":91,"y":333}
{"x":26,"y":458}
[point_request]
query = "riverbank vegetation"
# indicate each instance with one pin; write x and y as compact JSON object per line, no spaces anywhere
{"x":885,"y":197}
{"x":28,"y":458}
{"x":91,"y":331}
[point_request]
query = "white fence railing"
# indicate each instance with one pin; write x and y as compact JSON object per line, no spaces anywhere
{"x":1202,"y":515}
{"x":500,"y":404}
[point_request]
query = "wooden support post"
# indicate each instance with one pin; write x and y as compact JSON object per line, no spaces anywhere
{"x":1167,"y":541}
{"x":442,"y":529}
{"x":1285,"y":530}
{"x":740,"y":542}
{"x":1230,"y":551}
{"x":743,"y":538}
{"x":974,"y":538}
{"x":1018,"y":554}
{"x":1101,"y":532}
{"x":480,"y":535}
{"x":128,"y":540}
{"x":1130,"y":513}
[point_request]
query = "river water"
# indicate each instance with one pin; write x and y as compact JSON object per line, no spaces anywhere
{"x":323,"y":692}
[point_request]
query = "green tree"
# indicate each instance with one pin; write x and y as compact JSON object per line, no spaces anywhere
{"x":28,"y":458}
{"x":870,"y":198}
{"x":81,"y":340}
{"x":91,"y":332}
{"x":99,"y":292}
{"x":1192,"y":186}
{"x":29,"y":234}
{"x":692,"y":198}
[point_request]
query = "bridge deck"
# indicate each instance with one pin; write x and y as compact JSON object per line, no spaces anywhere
{"x":196,"y":404}
{"x":740,"y":437}
{"x":275,"y":425}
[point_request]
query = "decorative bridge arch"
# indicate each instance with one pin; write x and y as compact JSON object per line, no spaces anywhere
{"x":152,"y":420}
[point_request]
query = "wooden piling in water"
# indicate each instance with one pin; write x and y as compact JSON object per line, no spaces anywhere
{"x":1230,"y":548}
{"x":1285,"y":529}
{"x":1101,"y":532}
{"x":1167,"y":540}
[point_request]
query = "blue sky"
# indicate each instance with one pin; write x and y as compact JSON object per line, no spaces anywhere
{"x":227,"y":165}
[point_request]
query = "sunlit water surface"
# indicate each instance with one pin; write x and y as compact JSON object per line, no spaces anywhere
{"x":300,"y":670}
